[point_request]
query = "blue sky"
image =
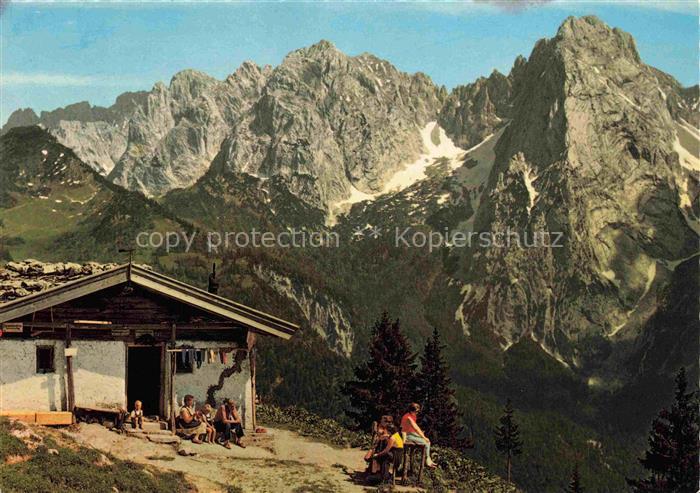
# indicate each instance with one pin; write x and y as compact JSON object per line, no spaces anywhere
{"x":56,"y":54}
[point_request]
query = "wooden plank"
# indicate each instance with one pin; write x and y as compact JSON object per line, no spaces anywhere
{"x":26,"y":416}
{"x":54,"y":418}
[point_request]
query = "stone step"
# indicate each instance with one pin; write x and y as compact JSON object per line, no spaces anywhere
{"x":164,"y":438}
{"x":150,"y":426}
{"x":151,"y":432}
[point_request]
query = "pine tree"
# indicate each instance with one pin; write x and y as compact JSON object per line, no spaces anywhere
{"x":507,"y":437}
{"x":672,"y":457}
{"x":386,"y":383}
{"x":440,"y":417}
{"x":575,"y":484}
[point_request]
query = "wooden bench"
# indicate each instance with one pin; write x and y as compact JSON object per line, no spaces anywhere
{"x":97,"y":414}
{"x":409,"y":452}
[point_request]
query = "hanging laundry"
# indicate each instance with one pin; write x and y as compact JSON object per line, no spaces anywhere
{"x":221,"y":356}
{"x":225,"y":357}
{"x":212,"y":356}
{"x":183,"y":356}
{"x":200,"y":357}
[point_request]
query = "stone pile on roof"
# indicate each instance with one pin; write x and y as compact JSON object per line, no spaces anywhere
{"x":18,"y":279}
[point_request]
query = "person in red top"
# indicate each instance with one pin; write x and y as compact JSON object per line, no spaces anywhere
{"x":409,"y":426}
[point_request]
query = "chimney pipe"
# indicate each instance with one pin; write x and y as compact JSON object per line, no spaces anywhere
{"x":213,"y":285}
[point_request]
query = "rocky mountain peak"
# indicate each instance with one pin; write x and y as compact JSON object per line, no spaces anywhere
{"x":248,"y":70}
{"x":21,"y":118}
{"x":321,"y":48}
{"x":190,"y":84}
{"x":591,"y":150}
{"x":589,"y":36}
{"x":327,"y":123}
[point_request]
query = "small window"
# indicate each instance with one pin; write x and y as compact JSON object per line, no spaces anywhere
{"x":44,"y":359}
{"x":183,"y":366}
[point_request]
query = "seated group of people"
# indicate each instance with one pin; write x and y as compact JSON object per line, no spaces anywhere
{"x":223,"y":427}
{"x":203,"y":425}
{"x":389,"y":440}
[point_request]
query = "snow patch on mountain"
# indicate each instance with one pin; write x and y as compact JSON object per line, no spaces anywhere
{"x":415,"y":171}
{"x":478,"y":161}
{"x":530,"y":176}
{"x":687,"y":137}
{"x":459,"y":313}
{"x":436,"y":145}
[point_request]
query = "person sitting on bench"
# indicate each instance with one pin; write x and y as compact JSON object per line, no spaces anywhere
{"x":188,"y":425}
{"x":392,"y":445}
{"x":228,"y":423}
{"x":414,"y":434}
{"x":379,"y":434}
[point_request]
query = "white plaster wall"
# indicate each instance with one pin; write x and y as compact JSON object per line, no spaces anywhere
{"x":236,"y":386}
{"x":21,"y":388}
{"x":98,"y":375}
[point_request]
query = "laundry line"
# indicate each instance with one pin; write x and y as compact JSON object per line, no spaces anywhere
{"x":200,"y":356}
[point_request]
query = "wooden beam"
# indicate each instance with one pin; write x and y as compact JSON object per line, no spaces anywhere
{"x":138,"y":325}
{"x":173,"y":366}
{"x":69,"y":374}
{"x":54,"y":418}
{"x":251,"y":338}
{"x":253,"y":386}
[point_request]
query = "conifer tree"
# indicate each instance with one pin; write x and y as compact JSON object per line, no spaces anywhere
{"x":386,"y":382}
{"x":575,"y":482}
{"x":440,"y":416}
{"x":507,"y":437}
{"x":672,"y":457}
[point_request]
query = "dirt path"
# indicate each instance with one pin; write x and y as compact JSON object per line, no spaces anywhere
{"x":279,"y":461}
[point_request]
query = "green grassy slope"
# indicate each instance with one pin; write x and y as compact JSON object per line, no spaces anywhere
{"x":54,"y":207}
{"x":56,"y":464}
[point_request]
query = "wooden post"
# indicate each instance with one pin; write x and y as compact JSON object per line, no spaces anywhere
{"x":406,"y":461}
{"x":422,"y":463}
{"x":250,"y":339}
{"x":173,"y":365}
{"x":253,"y":391}
{"x":70,"y":397}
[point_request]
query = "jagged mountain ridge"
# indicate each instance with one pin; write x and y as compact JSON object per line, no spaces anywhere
{"x":323,"y":121}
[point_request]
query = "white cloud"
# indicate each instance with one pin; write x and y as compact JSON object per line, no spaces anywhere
{"x":58,"y":80}
{"x":474,"y":6}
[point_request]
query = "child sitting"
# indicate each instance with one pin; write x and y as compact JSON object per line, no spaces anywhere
{"x":207,"y":415}
{"x":137,"y":415}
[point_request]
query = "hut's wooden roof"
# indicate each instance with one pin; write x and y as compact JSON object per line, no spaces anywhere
{"x":57,"y":290}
